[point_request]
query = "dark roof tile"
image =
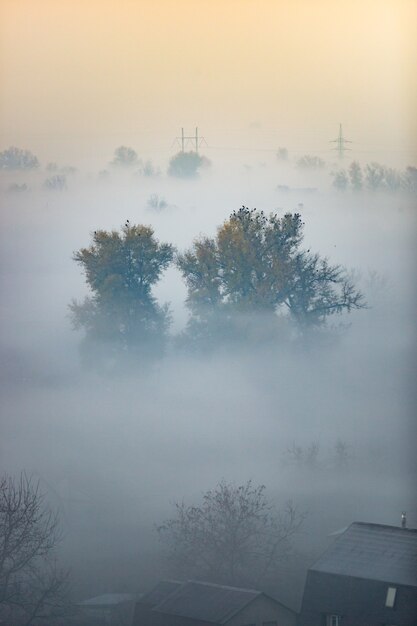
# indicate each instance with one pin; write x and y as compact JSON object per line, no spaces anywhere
{"x":161,"y":591}
{"x":373,"y":551}
{"x":207,"y":602}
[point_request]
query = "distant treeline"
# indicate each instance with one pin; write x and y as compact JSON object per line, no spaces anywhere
{"x":372,"y":176}
{"x":375,"y":177}
{"x":181,"y":165}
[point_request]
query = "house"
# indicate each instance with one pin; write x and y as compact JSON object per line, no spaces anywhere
{"x":194,"y":603}
{"x":109,"y":609}
{"x":368,"y":577}
{"x":162,"y":590}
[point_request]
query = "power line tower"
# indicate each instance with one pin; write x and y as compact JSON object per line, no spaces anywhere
{"x":340,"y":143}
{"x":194,"y":140}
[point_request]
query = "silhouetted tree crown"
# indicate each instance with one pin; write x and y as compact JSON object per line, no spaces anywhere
{"x":17,"y":159}
{"x":376,"y":177}
{"x":310,"y":162}
{"x":340,"y":180}
{"x":255,"y":265}
{"x":121,"y":268}
{"x":186,"y":164}
{"x":125,"y":157}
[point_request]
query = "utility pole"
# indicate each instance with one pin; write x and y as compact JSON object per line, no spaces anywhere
{"x":195,"y":141}
{"x":340,"y":143}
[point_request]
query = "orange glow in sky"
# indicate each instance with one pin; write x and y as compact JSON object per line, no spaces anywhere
{"x":76,"y":69}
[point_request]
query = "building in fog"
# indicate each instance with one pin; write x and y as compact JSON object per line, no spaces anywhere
{"x":193,"y":603}
{"x":368,"y":577}
{"x":109,"y":609}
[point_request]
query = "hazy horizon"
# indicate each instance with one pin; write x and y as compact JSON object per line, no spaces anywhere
{"x":80,"y":78}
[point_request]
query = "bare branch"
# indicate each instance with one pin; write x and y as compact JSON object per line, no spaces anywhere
{"x":234,"y":536}
{"x":30,"y":582}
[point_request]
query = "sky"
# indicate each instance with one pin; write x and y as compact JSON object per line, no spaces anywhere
{"x":79,"y":77}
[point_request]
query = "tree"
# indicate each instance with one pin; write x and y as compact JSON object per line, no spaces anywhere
{"x":340,"y":180}
{"x":356,"y":176}
{"x":235,"y":536}
{"x":156,"y":202}
{"x":57,"y":182}
{"x":310,"y":162}
{"x":17,"y":159}
{"x":282,"y":154}
{"x":341,"y":454}
{"x":392,"y":179}
{"x":379,"y":176}
{"x":122,"y":316}
{"x":186,"y":164}
{"x":253,"y":271}
{"x":125,"y":157}
{"x":409,"y":182}
{"x":375,"y":175}
{"x":32,"y":588}
{"x":148,"y":169}
{"x":299,"y":456}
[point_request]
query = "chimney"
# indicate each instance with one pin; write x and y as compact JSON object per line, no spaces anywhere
{"x":403,"y":520}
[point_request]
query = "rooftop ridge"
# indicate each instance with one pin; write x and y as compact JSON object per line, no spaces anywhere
{"x":208,"y":584}
{"x":390,"y":526}
{"x":211,"y":602}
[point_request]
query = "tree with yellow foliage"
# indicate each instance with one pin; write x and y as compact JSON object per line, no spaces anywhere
{"x":253,"y":277}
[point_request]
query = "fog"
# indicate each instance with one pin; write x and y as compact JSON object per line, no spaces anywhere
{"x":114,"y":451}
{"x":325,"y":420}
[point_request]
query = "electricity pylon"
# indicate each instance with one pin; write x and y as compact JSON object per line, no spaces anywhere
{"x":340,"y":143}
{"x":195,"y":141}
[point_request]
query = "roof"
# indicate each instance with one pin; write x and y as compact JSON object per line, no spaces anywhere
{"x":162,"y":590}
{"x":373,"y":551}
{"x":207,"y":602}
{"x":108,"y":599}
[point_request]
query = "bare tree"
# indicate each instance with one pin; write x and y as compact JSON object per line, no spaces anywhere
{"x":234,"y":537}
{"x":32,"y":587}
{"x":341,"y":449}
